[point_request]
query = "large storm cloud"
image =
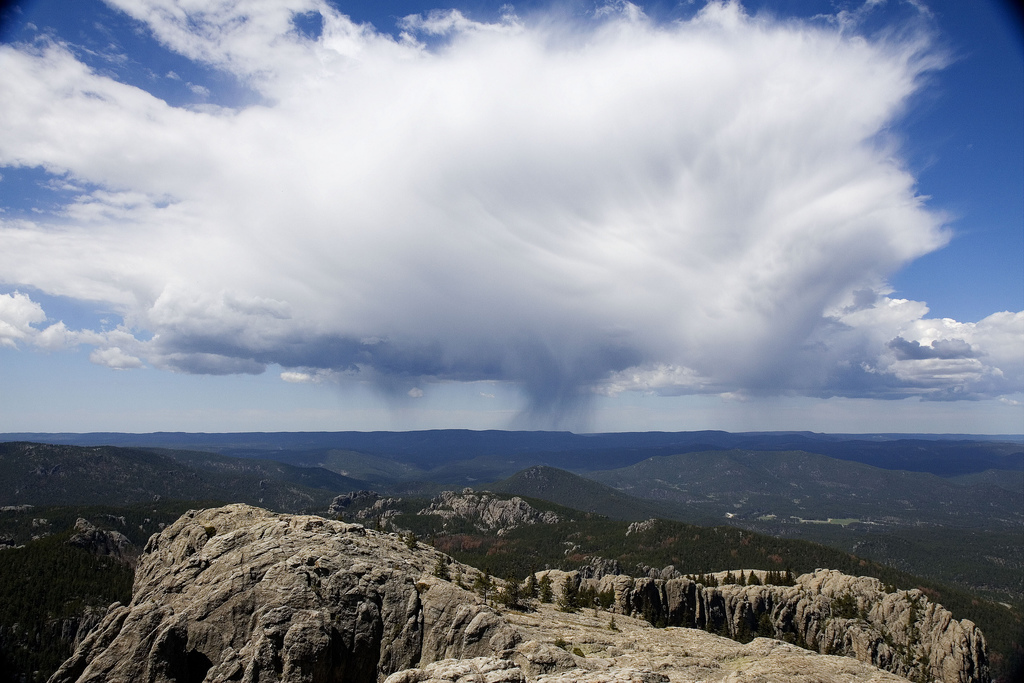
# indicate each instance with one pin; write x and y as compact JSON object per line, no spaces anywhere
{"x":576,"y":205}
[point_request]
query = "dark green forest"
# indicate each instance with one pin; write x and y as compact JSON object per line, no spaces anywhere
{"x":45,"y":587}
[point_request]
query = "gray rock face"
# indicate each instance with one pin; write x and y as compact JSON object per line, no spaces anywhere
{"x":365,"y":506}
{"x":242,"y":594}
{"x":382,"y":510}
{"x":76,"y":629}
{"x":599,"y":567}
{"x":238,"y":593}
{"x":99,"y":542}
{"x":488,"y":512}
{"x":669,"y":572}
{"x":827,"y":611}
{"x":342,"y":503}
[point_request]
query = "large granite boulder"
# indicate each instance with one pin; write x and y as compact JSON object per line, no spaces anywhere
{"x":239,"y":593}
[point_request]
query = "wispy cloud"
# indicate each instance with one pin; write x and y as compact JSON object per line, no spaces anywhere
{"x":573,"y":205}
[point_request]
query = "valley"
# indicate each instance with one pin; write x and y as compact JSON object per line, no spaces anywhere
{"x":955,"y":537}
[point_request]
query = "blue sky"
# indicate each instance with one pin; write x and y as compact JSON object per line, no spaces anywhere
{"x":589,"y":216}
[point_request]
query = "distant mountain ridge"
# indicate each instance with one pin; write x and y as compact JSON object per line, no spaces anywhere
{"x":796,"y":484}
{"x":945,"y":455}
{"x":46,"y":474}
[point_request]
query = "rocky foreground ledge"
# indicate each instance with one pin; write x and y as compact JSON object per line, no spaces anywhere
{"x":241,"y":594}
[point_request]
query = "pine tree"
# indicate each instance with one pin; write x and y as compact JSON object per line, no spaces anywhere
{"x":531,"y":585}
{"x":587,"y":597}
{"x":765,"y":627}
{"x":569,"y":600}
{"x":441,"y":568}
{"x":483,"y":584}
{"x":546,"y":594}
{"x":511,"y":596}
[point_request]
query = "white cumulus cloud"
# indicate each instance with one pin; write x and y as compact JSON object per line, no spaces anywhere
{"x":17,"y":315}
{"x":113,"y":357}
{"x":575,"y":205}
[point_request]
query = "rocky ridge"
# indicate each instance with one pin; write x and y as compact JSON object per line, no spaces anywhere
{"x":826,"y":611}
{"x":483,"y":510}
{"x":354,"y":499}
{"x":241,"y":594}
{"x":487,"y":511}
{"x":366,"y":506}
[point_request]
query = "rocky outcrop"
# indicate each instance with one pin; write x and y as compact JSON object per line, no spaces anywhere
{"x":640,"y":527}
{"x":598,"y":567}
{"x":239,"y":592}
{"x":99,"y":542}
{"x":380,"y":512}
{"x":242,"y":594}
{"x":826,"y":611}
{"x":351,"y":501}
{"x":487,"y":512}
{"x":665,"y":573}
{"x":365,"y":506}
{"x":469,"y":510}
